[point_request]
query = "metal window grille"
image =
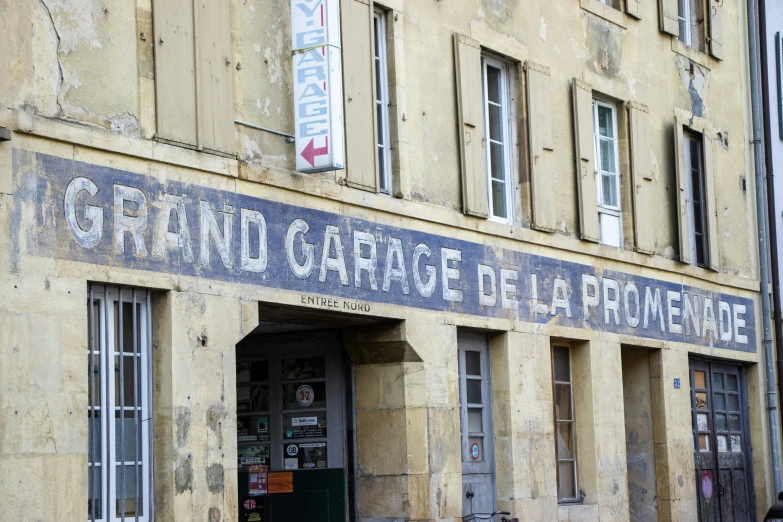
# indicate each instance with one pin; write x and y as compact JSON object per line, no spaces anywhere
{"x":119,"y":412}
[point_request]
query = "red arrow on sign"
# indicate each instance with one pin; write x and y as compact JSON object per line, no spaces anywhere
{"x":310,"y":152}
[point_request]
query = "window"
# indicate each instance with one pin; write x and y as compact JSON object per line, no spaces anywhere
{"x":607,"y":173}
{"x":690,"y":15}
{"x":496,"y":122}
{"x":119,"y":412}
{"x":611,"y":3}
{"x":697,"y":216}
{"x":382,"y":103}
{"x":565,"y":428}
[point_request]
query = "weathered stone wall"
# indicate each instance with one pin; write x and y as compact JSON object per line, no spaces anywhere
{"x":78,"y":83}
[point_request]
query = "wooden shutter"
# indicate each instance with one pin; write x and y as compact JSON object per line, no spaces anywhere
{"x":470,"y":112}
{"x":361,"y":143}
{"x":634,"y":8}
{"x":710,"y":207}
{"x":542,"y":175}
{"x":214,"y":90}
{"x":175,"y":74}
{"x":641,"y":179}
{"x":682,"y":193}
{"x":715,"y":8}
{"x":668,"y":14}
{"x":584,"y":139}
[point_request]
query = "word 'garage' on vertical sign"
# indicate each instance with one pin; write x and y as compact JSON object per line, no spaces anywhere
{"x":318,"y":88}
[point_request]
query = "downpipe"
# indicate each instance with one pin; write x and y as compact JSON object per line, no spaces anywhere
{"x":772,"y":213}
{"x":762,"y":237}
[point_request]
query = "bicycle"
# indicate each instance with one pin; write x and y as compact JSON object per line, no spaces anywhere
{"x":488,"y":516}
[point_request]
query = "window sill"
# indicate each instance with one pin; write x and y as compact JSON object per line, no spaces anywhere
{"x":690,"y":53}
{"x":577,"y":512}
{"x":610,"y":14}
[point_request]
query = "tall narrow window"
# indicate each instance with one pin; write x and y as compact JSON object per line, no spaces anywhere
{"x":684,"y":18}
{"x":497,"y":132}
{"x":119,"y":410}
{"x":382,"y":103}
{"x":565,"y":430}
{"x":697,"y":217}
{"x":607,"y":172}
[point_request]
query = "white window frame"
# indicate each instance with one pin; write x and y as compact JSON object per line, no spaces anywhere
{"x":382,"y":102}
{"x":505,"y":111}
{"x":105,"y":341}
{"x":684,"y":20}
{"x":603,"y":208}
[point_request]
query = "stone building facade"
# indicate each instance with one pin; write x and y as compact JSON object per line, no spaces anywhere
{"x":533,"y":287}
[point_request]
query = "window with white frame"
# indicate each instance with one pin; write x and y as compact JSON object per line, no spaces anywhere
{"x":690,"y":14}
{"x":607,"y":173}
{"x":119,"y":411}
{"x":696,"y":202}
{"x":498,"y":134}
{"x":565,"y":426}
{"x":382,"y":103}
{"x":611,"y":3}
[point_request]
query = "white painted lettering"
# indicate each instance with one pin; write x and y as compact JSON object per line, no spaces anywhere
{"x":538,"y":308}
{"x":673,"y":311}
{"x":303,"y":270}
{"x":724,"y":320}
{"x":367,"y":264}
{"x":167,"y":240}
{"x":135,"y":225}
{"x":739,"y":323}
{"x":491,"y":298}
{"x":92,"y":236}
{"x":588,"y":282}
{"x":336,"y":263}
{"x":653,"y":305}
{"x":247,"y":218}
{"x":508,"y":290}
{"x":611,"y":300}
{"x":425,"y":289}
{"x":709,"y":322}
{"x":209,"y":228}
{"x":450,"y":274}
{"x":560,"y":297}
{"x":391,"y":273}
{"x":629,"y":290}
{"x":690,"y":310}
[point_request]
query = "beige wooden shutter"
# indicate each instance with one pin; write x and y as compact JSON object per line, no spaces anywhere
{"x":585,"y":161}
{"x":361,"y":143}
{"x":175,"y":75}
{"x":641,"y":179}
{"x":682,"y":193}
{"x":668,"y":14}
{"x":715,"y":8}
{"x":214,"y":90}
{"x":710,"y":210}
{"x":634,"y":8}
{"x":470,"y":112}
{"x":542,"y":175}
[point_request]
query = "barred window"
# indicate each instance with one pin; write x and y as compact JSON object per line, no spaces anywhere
{"x":119,"y":412}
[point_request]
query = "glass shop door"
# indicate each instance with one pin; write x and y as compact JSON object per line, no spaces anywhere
{"x":290,"y":420}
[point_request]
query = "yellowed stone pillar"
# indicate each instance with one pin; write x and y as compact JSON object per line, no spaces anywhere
{"x":674,"y":463}
{"x":194,"y":361}
{"x":524,"y":426}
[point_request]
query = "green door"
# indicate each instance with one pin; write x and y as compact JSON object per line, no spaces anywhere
{"x":318,"y":496}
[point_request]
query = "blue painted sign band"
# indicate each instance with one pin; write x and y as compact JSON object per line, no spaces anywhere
{"x":110,"y":217}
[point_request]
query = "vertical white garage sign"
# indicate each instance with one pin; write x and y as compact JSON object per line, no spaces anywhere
{"x":318,"y":85}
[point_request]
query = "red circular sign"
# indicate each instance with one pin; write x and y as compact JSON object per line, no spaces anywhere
{"x":250,"y":504}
